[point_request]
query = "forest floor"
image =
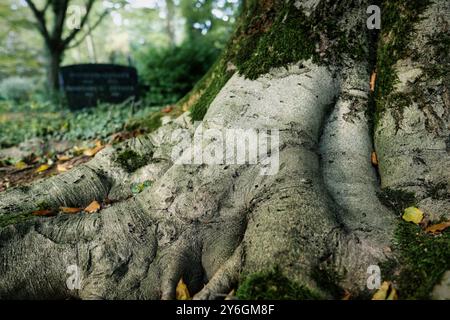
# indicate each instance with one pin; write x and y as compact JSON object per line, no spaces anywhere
{"x":36,"y":144}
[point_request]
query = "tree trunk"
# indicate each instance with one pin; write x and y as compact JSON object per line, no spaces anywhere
{"x":314,"y":227}
{"x":53,"y":68}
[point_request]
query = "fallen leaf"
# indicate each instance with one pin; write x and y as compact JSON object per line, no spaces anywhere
{"x":167,"y":109}
{"x":374,"y":158}
{"x":373,"y":80}
{"x":412,"y":214}
{"x":393,"y":294}
{"x":93,"y":207}
{"x":385,"y":292}
{"x":231,"y":295}
{"x":64,"y":167}
{"x":42,"y":168}
{"x":347,"y":295}
{"x":93,"y":151}
{"x":63,"y":158}
{"x":437,"y":228}
{"x":182,"y":292}
{"x":70,"y":210}
{"x":46,"y":212}
{"x":20,"y":165}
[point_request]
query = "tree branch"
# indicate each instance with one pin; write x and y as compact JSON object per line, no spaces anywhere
{"x":39,"y":15}
{"x":74,"y":32}
{"x":95,"y":25}
{"x":60,"y":16}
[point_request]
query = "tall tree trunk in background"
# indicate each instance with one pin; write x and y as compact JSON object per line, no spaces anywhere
{"x":170,"y":21}
{"x":315,"y":226}
{"x":53,"y":67}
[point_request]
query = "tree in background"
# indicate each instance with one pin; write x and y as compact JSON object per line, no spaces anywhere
{"x":50,"y":20}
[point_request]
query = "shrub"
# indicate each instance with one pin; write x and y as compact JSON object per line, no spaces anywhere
{"x":16,"y":89}
{"x":172,"y":72}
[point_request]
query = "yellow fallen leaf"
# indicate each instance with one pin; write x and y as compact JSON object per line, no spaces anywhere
{"x":20,"y":165}
{"x":182,"y":292}
{"x":63,"y":158}
{"x":42,"y":168}
{"x":63,"y":167}
{"x":93,"y":151}
{"x":412,"y":214}
{"x":393,"y":294}
{"x":437,"y":228}
{"x":70,"y":210}
{"x":93,"y":207}
{"x":385,"y":292}
{"x":231,"y":295}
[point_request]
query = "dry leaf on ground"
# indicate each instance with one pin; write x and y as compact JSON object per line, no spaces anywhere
{"x":93,"y":151}
{"x":46,"y":212}
{"x":42,"y":168}
{"x":437,"y":228}
{"x":93,"y":207}
{"x":374,"y":158}
{"x":64,"y":167}
{"x":182,"y":292}
{"x":20,"y":165}
{"x":386,"y":292}
{"x":70,"y":210}
{"x":373,"y":80}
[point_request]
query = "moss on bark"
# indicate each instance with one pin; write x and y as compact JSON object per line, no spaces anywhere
{"x":273,"y":285}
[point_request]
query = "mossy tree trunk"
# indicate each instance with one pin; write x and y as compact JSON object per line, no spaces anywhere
{"x":312,"y":229}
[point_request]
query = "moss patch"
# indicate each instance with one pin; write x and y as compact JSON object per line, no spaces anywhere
{"x":424,"y":258}
{"x":131,"y":160}
{"x":9,"y":219}
{"x":207,"y":89}
{"x":399,"y":18}
{"x":274,"y":33}
{"x":273,"y":285}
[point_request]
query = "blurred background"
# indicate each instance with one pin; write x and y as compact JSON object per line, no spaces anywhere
{"x":171,"y":43}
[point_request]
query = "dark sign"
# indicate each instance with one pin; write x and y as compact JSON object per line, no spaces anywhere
{"x":86,"y":84}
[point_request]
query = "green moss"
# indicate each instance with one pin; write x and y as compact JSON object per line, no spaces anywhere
{"x":399,"y":18}
{"x":328,"y":280}
{"x":208,"y":88}
{"x":9,"y":219}
{"x":273,"y":285}
{"x":149,"y":123}
{"x":397,"y":200}
{"x":423,"y":259}
{"x":131,"y":160}
{"x":274,"y":33}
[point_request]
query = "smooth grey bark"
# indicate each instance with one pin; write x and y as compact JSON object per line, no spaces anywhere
{"x":211,"y":224}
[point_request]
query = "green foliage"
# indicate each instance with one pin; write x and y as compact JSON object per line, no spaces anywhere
{"x":273,"y":285}
{"x":172,"y":72}
{"x":424,"y":258}
{"x":17,"y":89}
{"x":42,"y":120}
